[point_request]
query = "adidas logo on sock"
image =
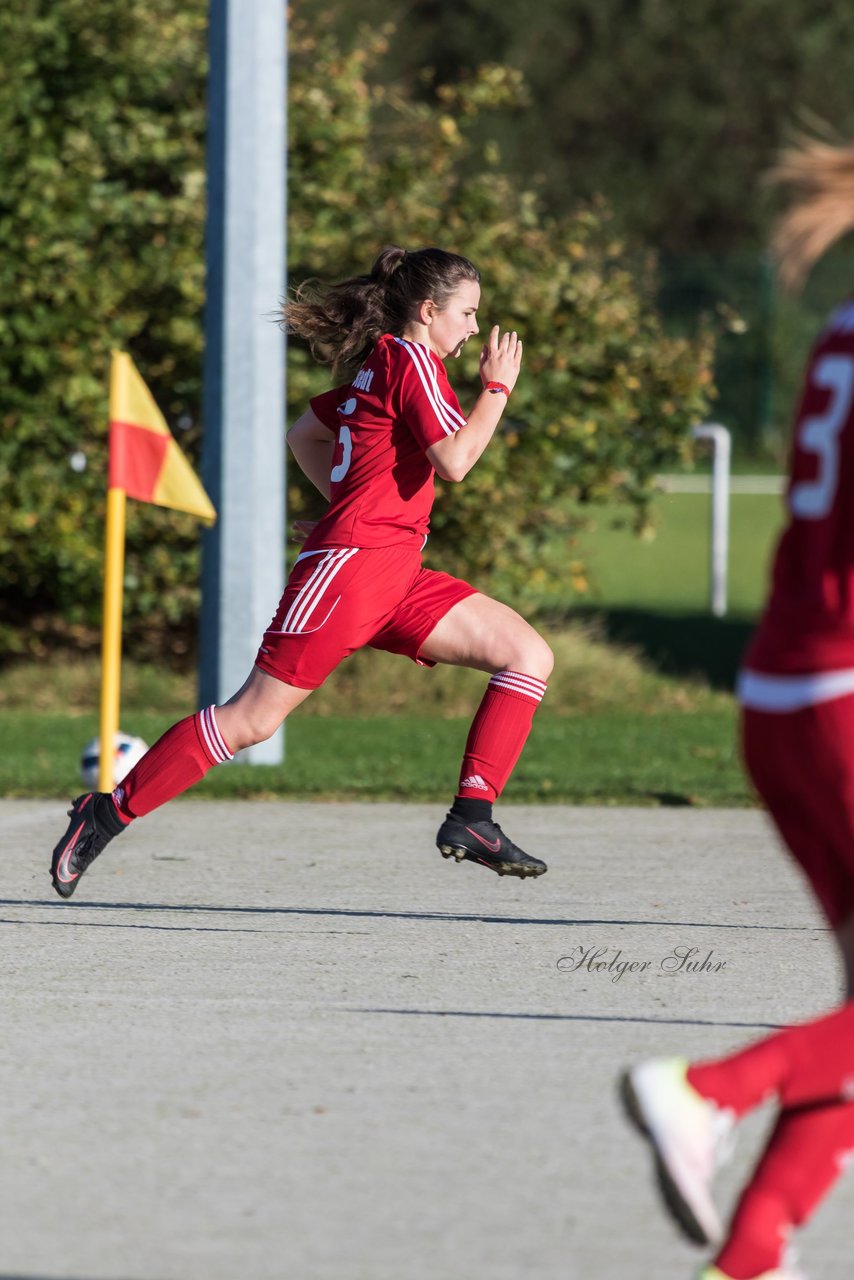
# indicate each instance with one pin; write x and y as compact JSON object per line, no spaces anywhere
{"x":475,"y":783}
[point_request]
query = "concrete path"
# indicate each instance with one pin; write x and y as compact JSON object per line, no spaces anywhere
{"x":279,"y":1040}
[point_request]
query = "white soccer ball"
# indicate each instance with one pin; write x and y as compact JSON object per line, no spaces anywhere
{"x":128,"y":751}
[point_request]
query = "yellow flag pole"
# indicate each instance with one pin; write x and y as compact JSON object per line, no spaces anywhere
{"x":111,"y":639}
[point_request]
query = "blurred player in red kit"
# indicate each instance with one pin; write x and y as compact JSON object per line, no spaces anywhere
{"x":372,"y":446}
{"x":796,"y":690}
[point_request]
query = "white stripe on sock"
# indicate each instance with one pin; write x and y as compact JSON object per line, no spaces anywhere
{"x":210,"y":733}
{"x":515,"y":682}
{"x":218,"y":738}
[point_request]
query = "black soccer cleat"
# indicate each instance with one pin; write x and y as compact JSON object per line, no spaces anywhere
{"x":80,"y":846}
{"x":486,"y":843}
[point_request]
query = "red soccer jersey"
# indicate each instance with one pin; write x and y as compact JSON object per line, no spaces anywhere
{"x":398,"y":405}
{"x":808,"y":624}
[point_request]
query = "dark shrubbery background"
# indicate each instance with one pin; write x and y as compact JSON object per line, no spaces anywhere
{"x":102,"y":222}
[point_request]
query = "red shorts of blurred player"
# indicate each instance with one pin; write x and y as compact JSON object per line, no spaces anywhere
{"x":340,"y":599}
{"x":802,"y":765}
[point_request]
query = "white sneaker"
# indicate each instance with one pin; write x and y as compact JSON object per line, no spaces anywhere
{"x":784,"y":1273}
{"x":688,"y":1135}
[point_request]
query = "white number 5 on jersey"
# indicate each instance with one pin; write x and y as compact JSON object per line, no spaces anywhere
{"x":812,"y":499}
{"x":345,"y":439}
{"x":346,"y":442}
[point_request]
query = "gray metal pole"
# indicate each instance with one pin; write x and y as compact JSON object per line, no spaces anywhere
{"x":243,"y":458}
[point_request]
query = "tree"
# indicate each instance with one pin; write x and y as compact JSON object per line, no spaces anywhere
{"x":606,"y":399}
{"x":671,"y":112}
{"x":101,"y":211}
{"x":101,"y":219}
{"x":668,"y":111}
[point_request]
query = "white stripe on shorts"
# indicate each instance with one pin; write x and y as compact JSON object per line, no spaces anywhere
{"x":515,"y":682}
{"x":309,"y":595}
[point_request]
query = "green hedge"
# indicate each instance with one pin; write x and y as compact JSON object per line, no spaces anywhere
{"x":102,"y":220}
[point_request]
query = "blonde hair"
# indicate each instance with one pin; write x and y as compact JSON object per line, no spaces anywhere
{"x":821,"y":178}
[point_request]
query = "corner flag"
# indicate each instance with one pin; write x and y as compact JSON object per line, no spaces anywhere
{"x":145,"y":463}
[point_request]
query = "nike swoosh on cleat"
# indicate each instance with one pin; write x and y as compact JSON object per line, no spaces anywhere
{"x":493,"y":847}
{"x":62,"y":865}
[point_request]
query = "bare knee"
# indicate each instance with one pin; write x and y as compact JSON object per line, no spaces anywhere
{"x":546,"y":659}
{"x":245,"y":726}
{"x":256,"y":711}
{"x":531,"y":655}
{"x":260,"y":727}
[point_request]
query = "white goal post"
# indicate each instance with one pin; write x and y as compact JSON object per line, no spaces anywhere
{"x":721,"y":443}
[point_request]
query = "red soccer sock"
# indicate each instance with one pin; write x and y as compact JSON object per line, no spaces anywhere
{"x":745,"y":1079}
{"x":498,"y":733}
{"x":811,"y":1063}
{"x":181,"y":757}
{"x":805,"y":1155}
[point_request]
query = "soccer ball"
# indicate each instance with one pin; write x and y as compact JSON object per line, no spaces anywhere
{"x":128,"y":751}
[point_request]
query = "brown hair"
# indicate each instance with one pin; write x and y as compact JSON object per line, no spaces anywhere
{"x":821,"y":177}
{"x":341,"y":322}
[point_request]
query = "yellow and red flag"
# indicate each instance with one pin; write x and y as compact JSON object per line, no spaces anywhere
{"x":145,"y":460}
{"x":145,"y":463}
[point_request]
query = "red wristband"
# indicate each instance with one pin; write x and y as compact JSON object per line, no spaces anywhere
{"x":497,"y":386}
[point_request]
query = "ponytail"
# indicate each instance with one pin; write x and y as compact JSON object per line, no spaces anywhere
{"x":342,"y":322}
{"x":389,"y":260}
{"x":821,"y":177}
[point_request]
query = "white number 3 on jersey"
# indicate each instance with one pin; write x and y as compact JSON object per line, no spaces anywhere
{"x":812,"y":499}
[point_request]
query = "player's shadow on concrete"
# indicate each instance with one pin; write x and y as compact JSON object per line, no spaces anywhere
{"x":570,"y":1017}
{"x":64,"y":914}
{"x":676,"y":644}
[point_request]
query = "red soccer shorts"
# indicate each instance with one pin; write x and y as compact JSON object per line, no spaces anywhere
{"x":802,"y":765}
{"x":339,"y":599}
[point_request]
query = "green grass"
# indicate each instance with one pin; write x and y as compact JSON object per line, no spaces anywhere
{"x":613,"y":730}
{"x":670,"y":572}
{"x":611,"y":758}
{"x":639,"y":709}
{"x":740,"y":465}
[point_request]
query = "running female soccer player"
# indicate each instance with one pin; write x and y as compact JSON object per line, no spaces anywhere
{"x":372,"y":447}
{"x":797,"y":694}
